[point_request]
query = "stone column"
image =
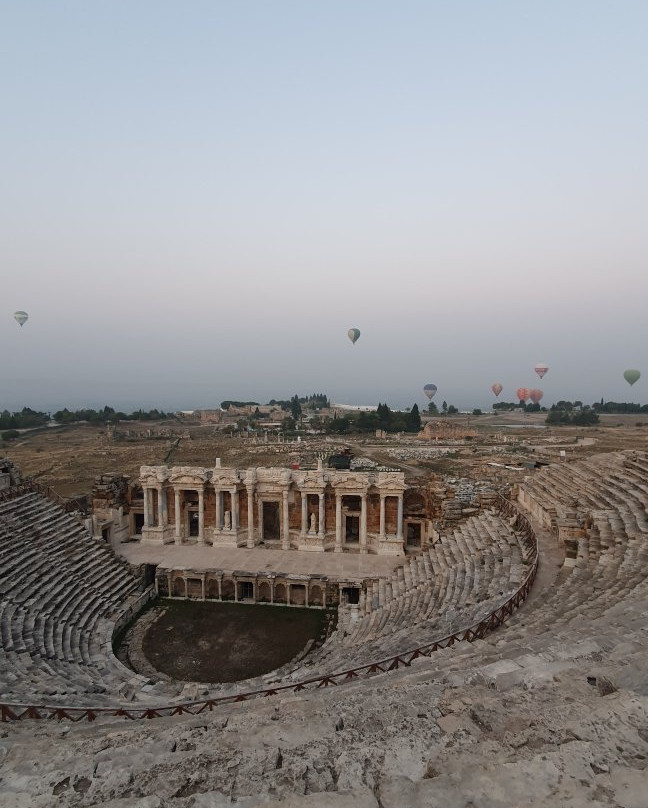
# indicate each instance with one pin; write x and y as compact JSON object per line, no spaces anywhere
{"x":338,"y":522}
{"x":382,"y":516}
{"x":178,"y":517}
{"x":201,"y":516}
{"x":235,"y":509}
{"x":321,"y":527}
{"x":260,"y":520}
{"x":219,"y":510}
{"x":202,"y":582}
{"x":147,"y":503}
{"x":285,"y":523}
{"x":169,"y":585}
{"x":304,"y":513}
{"x":363,"y":523}
{"x":399,"y":523}
{"x":161,"y":506}
{"x":250,"y":516}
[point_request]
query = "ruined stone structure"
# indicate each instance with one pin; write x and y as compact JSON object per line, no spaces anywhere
{"x":551,"y":708}
{"x":443,"y":430}
{"x":308,"y":591}
{"x":314,"y":510}
{"x":9,"y":474}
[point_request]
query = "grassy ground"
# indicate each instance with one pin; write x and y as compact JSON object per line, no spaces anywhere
{"x":225,"y":642}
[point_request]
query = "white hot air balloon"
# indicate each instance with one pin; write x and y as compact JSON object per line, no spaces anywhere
{"x":21,"y":317}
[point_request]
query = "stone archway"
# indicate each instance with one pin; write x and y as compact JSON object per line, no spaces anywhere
{"x":297,"y":595}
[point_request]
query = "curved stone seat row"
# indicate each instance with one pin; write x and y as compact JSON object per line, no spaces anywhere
{"x":60,"y":592}
{"x":455,"y":583}
{"x":596,"y":607}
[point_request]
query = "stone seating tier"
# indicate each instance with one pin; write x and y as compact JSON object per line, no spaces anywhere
{"x":60,"y":591}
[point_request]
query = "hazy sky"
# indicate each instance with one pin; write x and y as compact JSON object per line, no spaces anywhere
{"x":198,"y":199}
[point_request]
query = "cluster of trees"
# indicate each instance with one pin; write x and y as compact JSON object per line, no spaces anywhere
{"x":571,"y":415}
{"x":25,"y":419}
{"x":619,"y":407}
{"x":445,"y":409}
{"x":315,"y":401}
{"x":29,"y":419}
{"x":507,"y":406}
{"x":107,"y":415}
{"x":225,"y":405}
{"x":383,"y":418}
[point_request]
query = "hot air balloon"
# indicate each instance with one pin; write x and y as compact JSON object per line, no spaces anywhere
{"x":631,"y":376}
{"x":523,"y":393}
{"x":353,"y":334}
{"x":430,"y":390}
{"x":536,"y":396}
{"x":541,"y":369}
{"x":496,"y":388}
{"x":21,"y":317}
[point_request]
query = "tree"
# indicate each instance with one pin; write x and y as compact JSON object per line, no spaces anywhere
{"x":413,"y":420}
{"x":477,"y":411}
{"x":444,"y":407}
{"x":295,"y":407}
{"x":432,"y":408}
{"x":288,"y":424}
{"x":452,"y":410}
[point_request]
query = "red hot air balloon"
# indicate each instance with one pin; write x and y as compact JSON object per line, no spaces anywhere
{"x":536,"y":396}
{"x":523,"y":393}
{"x":541,"y":369}
{"x":496,"y":388}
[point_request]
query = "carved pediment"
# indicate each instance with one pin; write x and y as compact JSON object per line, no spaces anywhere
{"x":311,"y":482}
{"x":390,"y":481}
{"x":153,"y":475}
{"x":351,"y":486}
{"x":189,"y":475}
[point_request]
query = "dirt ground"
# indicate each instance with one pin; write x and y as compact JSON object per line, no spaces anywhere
{"x":226,"y":642}
{"x":70,"y":458}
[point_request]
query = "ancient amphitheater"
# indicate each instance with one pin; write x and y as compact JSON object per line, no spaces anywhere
{"x":503,"y":665}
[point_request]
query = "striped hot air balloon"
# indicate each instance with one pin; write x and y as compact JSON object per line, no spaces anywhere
{"x":536,"y":395}
{"x":541,"y":369}
{"x":430,"y":390}
{"x":523,"y":393}
{"x":496,"y":388}
{"x":353,"y":334}
{"x":21,"y":317}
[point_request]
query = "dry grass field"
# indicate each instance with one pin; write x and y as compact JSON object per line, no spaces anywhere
{"x":70,"y":457}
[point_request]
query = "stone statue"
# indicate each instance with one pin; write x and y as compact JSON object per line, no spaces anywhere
{"x":228,"y":520}
{"x":312,"y":527}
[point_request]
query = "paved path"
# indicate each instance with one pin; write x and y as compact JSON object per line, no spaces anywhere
{"x":552,"y":557}
{"x":202,"y":557}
